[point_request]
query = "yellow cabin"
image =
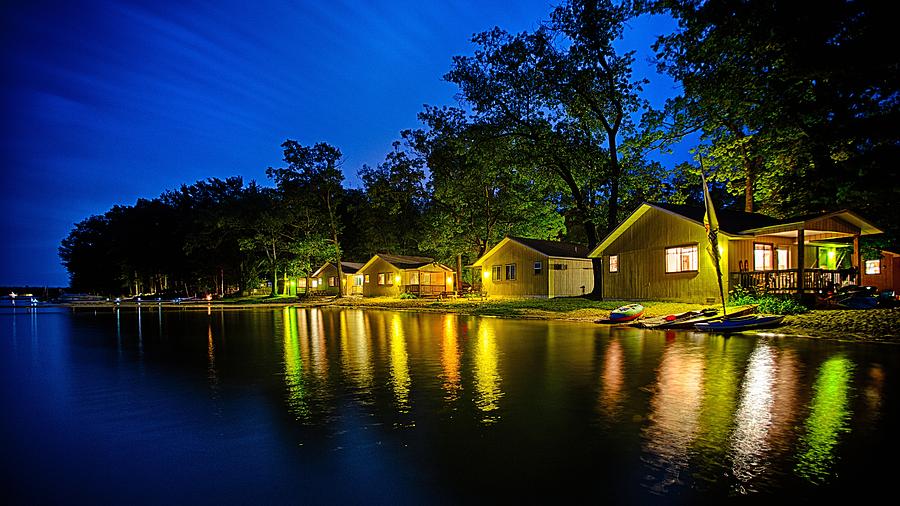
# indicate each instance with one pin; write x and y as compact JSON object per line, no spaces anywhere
{"x":661,"y":252}
{"x":391,"y":275}
{"x":519,"y":267}
{"x":325,"y":279}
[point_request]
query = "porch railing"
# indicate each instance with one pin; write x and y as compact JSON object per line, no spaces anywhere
{"x":785,"y":280}
{"x":426,"y":290}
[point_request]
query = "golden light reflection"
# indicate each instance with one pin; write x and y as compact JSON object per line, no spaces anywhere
{"x":873,"y":392}
{"x":828,"y":419}
{"x":400,"y":379}
{"x":293,"y":366}
{"x":487,"y":376}
{"x":450,"y":358}
{"x":754,"y":416}
{"x":211,"y":372}
{"x":355,"y":352}
{"x":318,"y":345}
{"x":674,"y":415}
{"x":612,"y":379}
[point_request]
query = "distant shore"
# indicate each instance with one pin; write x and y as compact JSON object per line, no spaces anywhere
{"x":877,"y":325}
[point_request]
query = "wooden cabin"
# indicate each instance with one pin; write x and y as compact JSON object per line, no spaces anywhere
{"x":325,"y":279}
{"x":391,"y":275}
{"x":883,"y":273}
{"x":519,"y":267}
{"x":660,"y":252}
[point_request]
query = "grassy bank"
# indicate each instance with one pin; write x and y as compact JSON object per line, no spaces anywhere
{"x":873,"y":324}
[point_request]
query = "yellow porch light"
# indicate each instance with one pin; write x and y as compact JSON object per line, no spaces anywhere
{"x":486,"y":274}
{"x":397,"y":278}
{"x":449,"y":279}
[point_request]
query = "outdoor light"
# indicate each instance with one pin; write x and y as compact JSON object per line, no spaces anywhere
{"x":397,"y":278}
{"x":449,"y":279}
{"x":487,"y":274}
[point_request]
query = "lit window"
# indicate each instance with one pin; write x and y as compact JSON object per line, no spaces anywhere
{"x":358,"y":280}
{"x":388,"y":279}
{"x":681,"y":259}
{"x":538,"y":268}
{"x":414,"y":278}
{"x":762,"y":257}
{"x":784,"y":259}
{"x":381,"y":278}
{"x":495,"y":272}
{"x":368,"y":279}
{"x":511,"y":272}
{"x":873,"y":266}
{"x":614,"y":263}
{"x":332,"y":281}
{"x":426,"y":278}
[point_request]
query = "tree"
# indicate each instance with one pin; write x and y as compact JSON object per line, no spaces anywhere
{"x":311,"y":186}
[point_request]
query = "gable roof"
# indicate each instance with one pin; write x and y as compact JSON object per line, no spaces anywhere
{"x":732,"y":223}
{"x":346,"y":267}
{"x":557,"y":249}
{"x":403,"y":262}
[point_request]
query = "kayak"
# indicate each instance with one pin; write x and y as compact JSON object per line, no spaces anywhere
{"x":669,"y":321}
{"x":740,"y":323}
{"x":626,"y":313}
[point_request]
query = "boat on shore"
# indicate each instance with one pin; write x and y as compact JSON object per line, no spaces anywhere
{"x":740,"y":323}
{"x":668,"y":321}
{"x":626,"y":313}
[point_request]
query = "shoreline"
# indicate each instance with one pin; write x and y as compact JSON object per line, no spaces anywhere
{"x":871,"y":325}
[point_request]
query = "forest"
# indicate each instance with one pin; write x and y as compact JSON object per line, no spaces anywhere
{"x":795,"y":108}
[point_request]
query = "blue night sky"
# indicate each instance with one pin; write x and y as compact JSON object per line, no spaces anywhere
{"x":107,"y":102}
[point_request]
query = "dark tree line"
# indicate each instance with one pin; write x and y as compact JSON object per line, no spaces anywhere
{"x":796,"y":108}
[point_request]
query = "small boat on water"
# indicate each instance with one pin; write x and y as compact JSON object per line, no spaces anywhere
{"x":626,"y":313}
{"x":740,"y":323}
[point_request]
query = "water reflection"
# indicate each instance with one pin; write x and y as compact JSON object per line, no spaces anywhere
{"x":487,"y":375}
{"x":828,"y":419}
{"x":355,"y":351}
{"x":294,"y":380}
{"x":450,"y":358}
{"x":754,"y":416}
{"x":400,"y":379}
{"x":612,"y":379}
{"x":674,"y":416}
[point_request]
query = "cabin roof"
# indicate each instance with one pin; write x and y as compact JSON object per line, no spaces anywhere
{"x":730,"y":222}
{"x":405,"y":262}
{"x":736,"y":223}
{"x":556,"y":249}
{"x":351,"y":267}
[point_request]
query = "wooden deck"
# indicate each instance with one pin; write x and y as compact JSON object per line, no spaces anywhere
{"x":785,"y":280}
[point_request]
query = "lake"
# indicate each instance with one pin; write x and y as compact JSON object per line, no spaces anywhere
{"x":300,"y":405}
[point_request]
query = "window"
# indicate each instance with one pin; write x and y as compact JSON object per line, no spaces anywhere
{"x":538,"y":268}
{"x":614,"y":263}
{"x":873,"y":266}
{"x":332,"y":281}
{"x":368,"y":279}
{"x":560,"y":267}
{"x":510,"y":272}
{"x":314,"y":282}
{"x":763,"y":257}
{"x":681,"y":259}
{"x":784,"y":259}
{"x":358,"y":280}
{"x":414,"y":278}
{"x":495,"y":272}
{"x":388,"y":279}
{"x":380,"y":278}
{"x":427,"y":278}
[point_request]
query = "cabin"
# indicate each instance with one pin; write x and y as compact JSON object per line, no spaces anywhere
{"x":660,"y":252}
{"x":883,"y":273}
{"x":387,"y":275}
{"x":520,"y":267}
{"x":325,"y":279}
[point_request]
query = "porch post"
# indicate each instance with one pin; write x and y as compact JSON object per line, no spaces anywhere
{"x":858,"y":256}
{"x":801,"y":259}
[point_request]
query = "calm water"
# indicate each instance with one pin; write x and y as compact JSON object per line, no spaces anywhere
{"x":337,"y":406}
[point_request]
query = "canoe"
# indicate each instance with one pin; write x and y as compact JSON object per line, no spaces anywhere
{"x":626,"y":313}
{"x":740,"y":323}
{"x":691,"y":322}
{"x":667,"y":321}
